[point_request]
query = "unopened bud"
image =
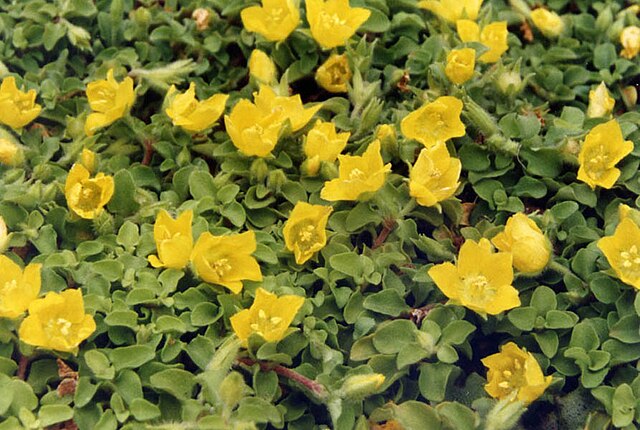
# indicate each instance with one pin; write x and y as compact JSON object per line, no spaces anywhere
{"x":4,"y":235}
{"x":276,"y":179}
{"x":88,"y":160}
{"x":10,"y":153}
{"x":258,"y":170}
{"x":360,"y":386}
{"x":311,"y":166}
{"x":630,"y":96}
{"x":328,"y":170}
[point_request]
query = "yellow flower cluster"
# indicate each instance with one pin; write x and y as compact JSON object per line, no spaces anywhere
{"x":57,"y":321}
{"x":332,"y":22}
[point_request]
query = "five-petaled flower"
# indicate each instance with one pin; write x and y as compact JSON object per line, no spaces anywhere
{"x":600,"y":102}
{"x":334,"y":74}
{"x":274,"y":20}
{"x":514,"y":372}
{"x":434,"y":122}
{"x":87,"y":196}
{"x":630,"y":40}
{"x":359,"y":176}
{"x":523,"y":238}
{"x":460,"y":65}
{"x":434,"y":176}
{"x":269,"y":316}
{"x":304,"y":232}
{"x":285,"y":107}
{"x":481,"y":281}
{"x":110,"y":100}
{"x":173,"y":240}
{"x":57,"y":322}
{"x":17,"y":108}
{"x":226,"y":260}
{"x":548,"y":22}
{"x":453,"y":10}
{"x":601,"y":150}
{"x":192,"y":115}
{"x":333,"y":22}
{"x":18,"y":288}
{"x":622,"y":251}
{"x":323,"y":144}
{"x":493,"y":36}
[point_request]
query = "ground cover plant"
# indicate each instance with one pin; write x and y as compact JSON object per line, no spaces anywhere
{"x":364,"y":214}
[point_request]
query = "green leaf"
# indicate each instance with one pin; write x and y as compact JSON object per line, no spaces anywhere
{"x":560,"y":319}
{"x":52,"y":414}
{"x":259,"y":411}
{"x":434,"y":379}
{"x":205,"y":314}
{"x":128,"y":235}
{"x":627,"y":329}
{"x":201,"y":184}
{"x":584,"y":336}
{"x":393,"y":336}
{"x":132,"y":356}
{"x":624,"y":404}
{"x":99,"y":364}
{"x":360,"y":216}
{"x":457,"y":332}
{"x":143,"y":410}
{"x":413,"y":415}
{"x":386,"y":302}
{"x":523,"y":318}
{"x":122,"y":318}
{"x":169,"y":323}
{"x":123,"y":200}
{"x":177,"y":382}
{"x":548,"y":342}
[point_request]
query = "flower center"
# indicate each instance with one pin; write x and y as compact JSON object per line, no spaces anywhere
{"x":58,"y":325}
{"x":330,"y":21}
{"x":87,"y":196}
{"x":477,"y":290}
{"x":598,"y":162}
{"x":264,"y":323}
{"x":24,"y":104}
{"x":221,"y":267}
{"x":276,"y":14}
{"x":515,"y":378}
{"x":357,"y":175}
{"x":631,"y":259}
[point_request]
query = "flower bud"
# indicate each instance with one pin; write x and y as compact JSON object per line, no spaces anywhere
{"x":88,"y":160}
{"x":460,"y":65}
{"x":78,"y":36}
{"x":600,"y":102}
{"x":4,"y":235}
{"x":630,"y":40}
{"x":548,"y":22}
{"x":10,"y":153}
{"x":360,"y":386}
{"x":258,"y":170}
{"x":328,"y":170}
{"x":202,"y":17}
{"x":386,"y":134}
{"x":311,"y":166}
{"x":629,"y":96}
{"x":529,"y":246}
{"x":261,"y":67}
{"x":276,"y":179}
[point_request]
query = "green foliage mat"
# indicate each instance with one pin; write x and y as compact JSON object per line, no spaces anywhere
{"x":376,"y":343}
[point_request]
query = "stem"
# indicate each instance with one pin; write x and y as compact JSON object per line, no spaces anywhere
{"x":23,"y":364}
{"x":148,"y":152}
{"x":387,"y":227}
{"x":314,"y":387}
{"x":557,"y":267}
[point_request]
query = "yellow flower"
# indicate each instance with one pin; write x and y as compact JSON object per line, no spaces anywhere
{"x":493,"y":36}
{"x":601,"y":150}
{"x":274,"y":20}
{"x":333,"y":22}
{"x":18,"y":288}
{"x":359,"y":176}
{"x":193,"y":115}
{"x":304,"y":232}
{"x":630,"y":40}
{"x":87,"y":197}
{"x":460,"y":65}
{"x":252,"y":130}
{"x":173,"y":240}
{"x":261,"y":67}
{"x":600,"y":102}
{"x":226,"y":260}
{"x":515,"y":372}
{"x":4,"y":236}
{"x":110,"y":100}
{"x":323,"y":144}
{"x":290,"y":108}
{"x":434,"y":122}
{"x":481,"y":281}
{"x":334,"y":74}
{"x":88,"y":160}
{"x":434,"y":176}
{"x":526,"y":242}
{"x":269,"y":316}
{"x":17,"y":108}
{"x":453,"y":10}
{"x":623,"y":251}
{"x":548,"y":22}
{"x":10,"y":152}
{"x":57,"y":322}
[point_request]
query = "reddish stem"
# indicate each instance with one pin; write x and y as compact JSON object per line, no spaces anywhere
{"x":23,"y":364}
{"x":148,"y":152}
{"x":315,"y":387}
{"x":387,"y":227}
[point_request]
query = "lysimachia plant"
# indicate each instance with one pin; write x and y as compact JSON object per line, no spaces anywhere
{"x":311,"y":214}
